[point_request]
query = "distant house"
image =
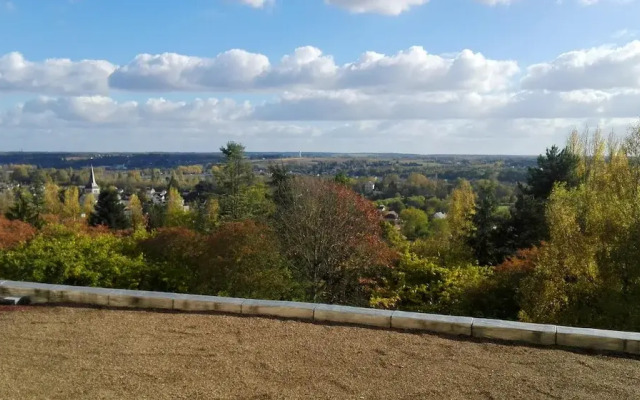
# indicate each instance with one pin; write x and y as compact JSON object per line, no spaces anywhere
{"x":439,"y":215}
{"x":391,"y":216}
{"x":369,"y":187}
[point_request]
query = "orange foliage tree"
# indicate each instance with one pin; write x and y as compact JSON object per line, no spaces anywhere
{"x":500,"y":297}
{"x":13,"y":233}
{"x":243,"y":259}
{"x":333,"y":239}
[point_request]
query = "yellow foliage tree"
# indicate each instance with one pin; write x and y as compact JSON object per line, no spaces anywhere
{"x":461,"y":210}
{"x":88,"y":204}
{"x":71,"y":205}
{"x":137,"y":215}
{"x":52,"y":203}
{"x":588,"y":272}
{"x":175,"y":211}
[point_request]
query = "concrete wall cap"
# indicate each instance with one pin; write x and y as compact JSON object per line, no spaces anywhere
{"x":432,"y":323}
{"x":565,"y":330}
{"x":497,"y":323}
{"x":141,"y":294}
{"x":28,"y":285}
{"x":433,"y":317}
{"x":628,"y":342}
{"x":277,"y":303}
{"x":353,"y":310}
{"x":215,"y":299}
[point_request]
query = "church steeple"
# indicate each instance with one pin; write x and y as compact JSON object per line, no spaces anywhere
{"x":92,"y":186}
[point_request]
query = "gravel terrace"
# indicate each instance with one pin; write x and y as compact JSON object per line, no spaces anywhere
{"x":71,"y":353}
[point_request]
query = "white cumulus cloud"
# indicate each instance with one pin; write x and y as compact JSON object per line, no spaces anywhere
{"x":385,"y":7}
{"x":56,"y":76}
{"x":596,"y":68}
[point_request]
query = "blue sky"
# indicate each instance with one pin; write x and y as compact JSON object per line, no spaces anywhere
{"x":439,"y":76}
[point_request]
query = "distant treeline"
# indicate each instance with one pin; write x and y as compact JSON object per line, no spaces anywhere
{"x":172,"y":160}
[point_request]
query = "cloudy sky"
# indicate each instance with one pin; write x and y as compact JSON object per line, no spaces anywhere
{"x":409,"y":76}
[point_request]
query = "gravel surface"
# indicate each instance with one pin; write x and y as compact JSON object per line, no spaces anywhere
{"x":69,"y":353}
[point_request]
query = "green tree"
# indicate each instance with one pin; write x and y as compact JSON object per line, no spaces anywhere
{"x":25,"y":208}
{"x":342,"y":179}
{"x":61,"y":177}
{"x":415,"y":223}
{"x":483,"y":238}
{"x":207,"y":215}
{"x":280,"y":183}
{"x":528,"y":226}
{"x":7,"y":198}
{"x":174,"y":256}
{"x":420,"y":285}
{"x":109,"y":211}
{"x":234,"y":179}
{"x":21,"y":174}
{"x":61,"y":255}
{"x":418,"y":184}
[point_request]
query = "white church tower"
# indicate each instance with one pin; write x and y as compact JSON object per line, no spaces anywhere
{"x":92,"y":187}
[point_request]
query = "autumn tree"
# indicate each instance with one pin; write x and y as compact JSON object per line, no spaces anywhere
{"x":13,"y":233}
{"x":52,"y":203}
{"x":136,"y":214}
{"x":71,"y":206}
{"x":88,"y":204}
{"x":243,"y":259}
{"x":332,"y":237}
{"x":588,"y":273}
{"x":175,"y":214}
{"x":462,"y":208}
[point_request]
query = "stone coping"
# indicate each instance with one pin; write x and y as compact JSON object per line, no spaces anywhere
{"x":623,"y":342}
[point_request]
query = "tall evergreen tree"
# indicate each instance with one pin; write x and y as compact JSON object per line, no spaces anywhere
{"x":528,"y":226}
{"x":483,"y":240}
{"x":109,"y":211}
{"x":234,"y":179}
{"x":281,"y":184}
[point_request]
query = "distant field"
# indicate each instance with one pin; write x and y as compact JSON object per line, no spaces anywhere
{"x":69,"y":353}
